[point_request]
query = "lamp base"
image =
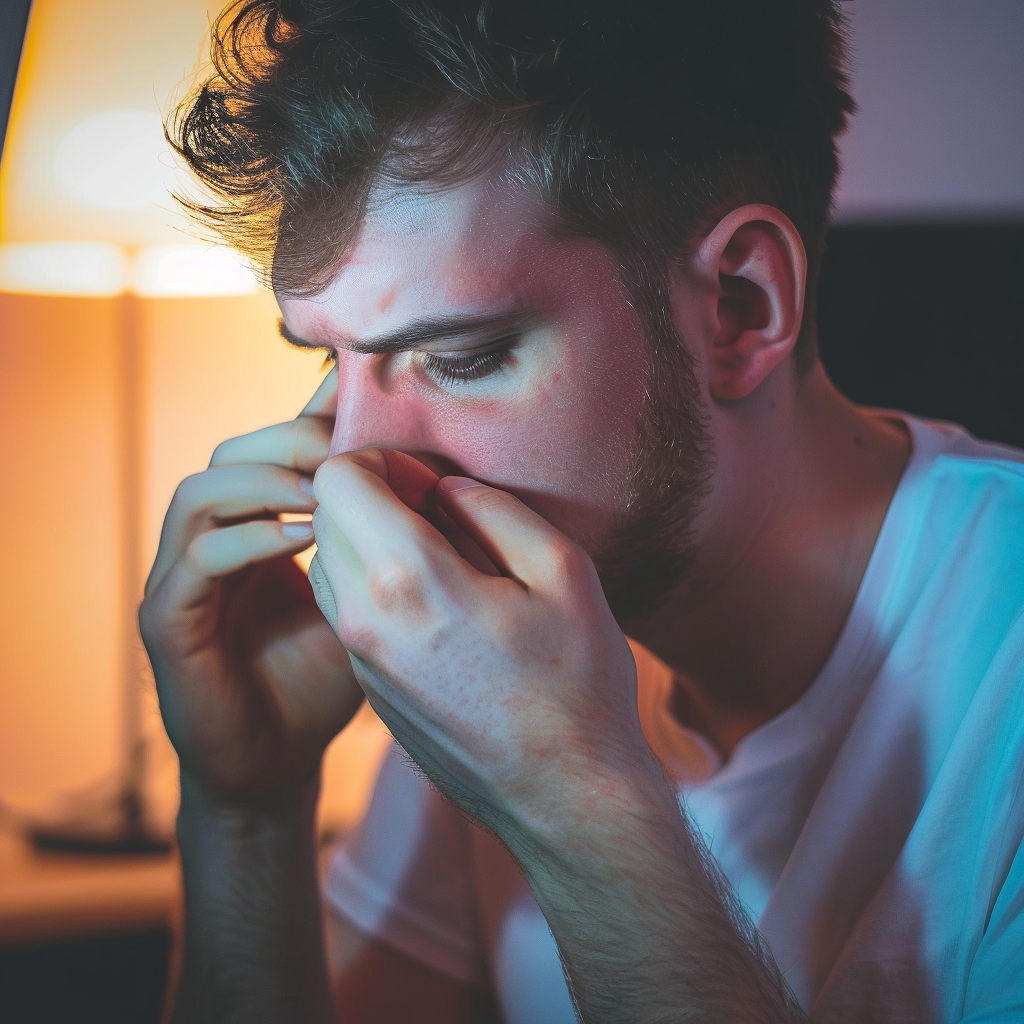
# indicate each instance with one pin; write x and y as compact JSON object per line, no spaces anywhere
{"x":110,"y":830}
{"x":78,"y":838}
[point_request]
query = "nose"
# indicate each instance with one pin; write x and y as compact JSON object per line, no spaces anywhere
{"x":368,"y":413}
{"x":373,"y":413}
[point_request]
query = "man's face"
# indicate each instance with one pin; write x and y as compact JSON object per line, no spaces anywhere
{"x":472,"y":337}
{"x":527,"y":367}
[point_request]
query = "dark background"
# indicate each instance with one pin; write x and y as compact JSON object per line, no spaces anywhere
{"x":928,"y":319}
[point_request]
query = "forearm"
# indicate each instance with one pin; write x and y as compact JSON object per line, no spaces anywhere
{"x":253,"y":939}
{"x":642,"y":920}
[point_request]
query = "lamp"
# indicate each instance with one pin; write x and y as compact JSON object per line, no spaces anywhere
{"x":118,"y":160}
{"x":116,"y":824}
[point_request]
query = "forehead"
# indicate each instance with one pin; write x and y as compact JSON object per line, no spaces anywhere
{"x":479,"y":247}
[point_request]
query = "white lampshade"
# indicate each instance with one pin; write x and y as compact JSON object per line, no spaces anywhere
{"x":102,"y":269}
{"x":116,"y":160}
{"x":63,"y":268}
{"x":166,"y":271}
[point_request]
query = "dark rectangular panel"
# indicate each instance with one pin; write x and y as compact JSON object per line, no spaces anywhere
{"x":929,"y":319}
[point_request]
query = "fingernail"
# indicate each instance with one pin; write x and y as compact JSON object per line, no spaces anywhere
{"x":299,"y":531}
{"x":459,"y":483}
{"x":306,"y":485}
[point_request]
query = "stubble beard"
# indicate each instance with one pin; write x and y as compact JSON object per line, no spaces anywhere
{"x":652,"y":546}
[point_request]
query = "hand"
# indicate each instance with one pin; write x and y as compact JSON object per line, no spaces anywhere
{"x":253,"y":683}
{"x":502,"y":687}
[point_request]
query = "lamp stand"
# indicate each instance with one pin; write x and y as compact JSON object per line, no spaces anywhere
{"x":117,"y":823}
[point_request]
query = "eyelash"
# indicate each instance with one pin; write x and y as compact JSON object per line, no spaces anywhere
{"x":454,"y":370}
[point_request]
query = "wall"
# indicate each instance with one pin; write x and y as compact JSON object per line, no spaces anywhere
{"x":60,"y":548}
{"x":208,"y":369}
{"x":81,"y":58}
{"x":940,"y":132}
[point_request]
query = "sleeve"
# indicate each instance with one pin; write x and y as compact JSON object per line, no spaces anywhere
{"x":404,"y":876}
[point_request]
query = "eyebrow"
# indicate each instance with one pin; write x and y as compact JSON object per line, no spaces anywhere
{"x":420,"y":332}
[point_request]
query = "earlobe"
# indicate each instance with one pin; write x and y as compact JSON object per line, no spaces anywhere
{"x":757,"y":259}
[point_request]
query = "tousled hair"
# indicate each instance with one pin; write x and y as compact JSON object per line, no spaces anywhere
{"x":639,"y":122}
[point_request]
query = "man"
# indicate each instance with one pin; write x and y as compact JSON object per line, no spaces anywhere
{"x":562,"y":254}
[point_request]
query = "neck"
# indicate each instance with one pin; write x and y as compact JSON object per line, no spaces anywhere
{"x":803,"y":482}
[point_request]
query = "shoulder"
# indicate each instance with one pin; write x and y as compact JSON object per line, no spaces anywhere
{"x":962,"y":514}
{"x":951,"y":562}
{"x":949,"y":456}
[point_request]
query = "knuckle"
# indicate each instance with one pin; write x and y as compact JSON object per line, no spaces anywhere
{"x":293,"y":435}
{"x":186,"y":494}
{"x":322,"y":428}
{"x":152,"y":619}
{"x":223,"y":452}
{"x":280,"y":478}
{"x":359,"y":639}
{"x":197,"y":556}
{"x":147,"y":620}
{"x":396,"y":590}
{"x":564,"y":559}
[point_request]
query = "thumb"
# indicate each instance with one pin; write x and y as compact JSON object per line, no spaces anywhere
{"x":322,"y":591}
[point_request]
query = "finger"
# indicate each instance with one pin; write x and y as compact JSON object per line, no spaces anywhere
{"x":374,"y":500}
{"x":225,"y":493}
{"x":300,"y":444}
{"x":323,"y":592}
{"x":408,"y":479}
{"x":218,"y":553}
{"x":462,"y":542}
{"x":519,"y":541}
{"x":378,"y":554}
{"x":325,"y":398}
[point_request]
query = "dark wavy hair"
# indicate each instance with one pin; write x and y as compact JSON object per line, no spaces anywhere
{"x":640,"y":122}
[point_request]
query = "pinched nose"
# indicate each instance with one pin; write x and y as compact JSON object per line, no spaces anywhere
{"x":369,"y":415}
{"x":371,"y":411}
{"x":439,"y":464}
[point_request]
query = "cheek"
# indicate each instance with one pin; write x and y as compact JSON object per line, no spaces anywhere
{"x":563,"y":445}
{"x":564,"y":451}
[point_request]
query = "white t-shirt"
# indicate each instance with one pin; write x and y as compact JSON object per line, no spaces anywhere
{"x":873,"y":829}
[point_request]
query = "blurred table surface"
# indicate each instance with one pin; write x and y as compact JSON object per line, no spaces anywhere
{"x":52,"y":897}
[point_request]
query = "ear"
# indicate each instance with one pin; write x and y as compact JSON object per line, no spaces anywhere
{"x":753,"y":268}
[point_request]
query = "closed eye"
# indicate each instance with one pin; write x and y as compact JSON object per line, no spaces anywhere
{"x":452,"y":370}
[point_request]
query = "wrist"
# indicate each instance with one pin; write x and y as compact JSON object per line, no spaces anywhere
{"x":252,"y":937}
{"x":595,"y":811}
{"x":287,"y":814}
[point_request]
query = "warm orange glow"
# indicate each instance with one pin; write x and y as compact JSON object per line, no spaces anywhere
{"x":210,"y":369}
{"x":59,"y":543}
{"x":63,"y":268}
{"x":82,"y":60}
{"x":204,"y":369}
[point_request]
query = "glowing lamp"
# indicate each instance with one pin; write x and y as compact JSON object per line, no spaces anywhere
{"x":62,"y":268}
{"x":164,"y":271}
{"x":100,"y":269}
{"x":115,"y":160}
